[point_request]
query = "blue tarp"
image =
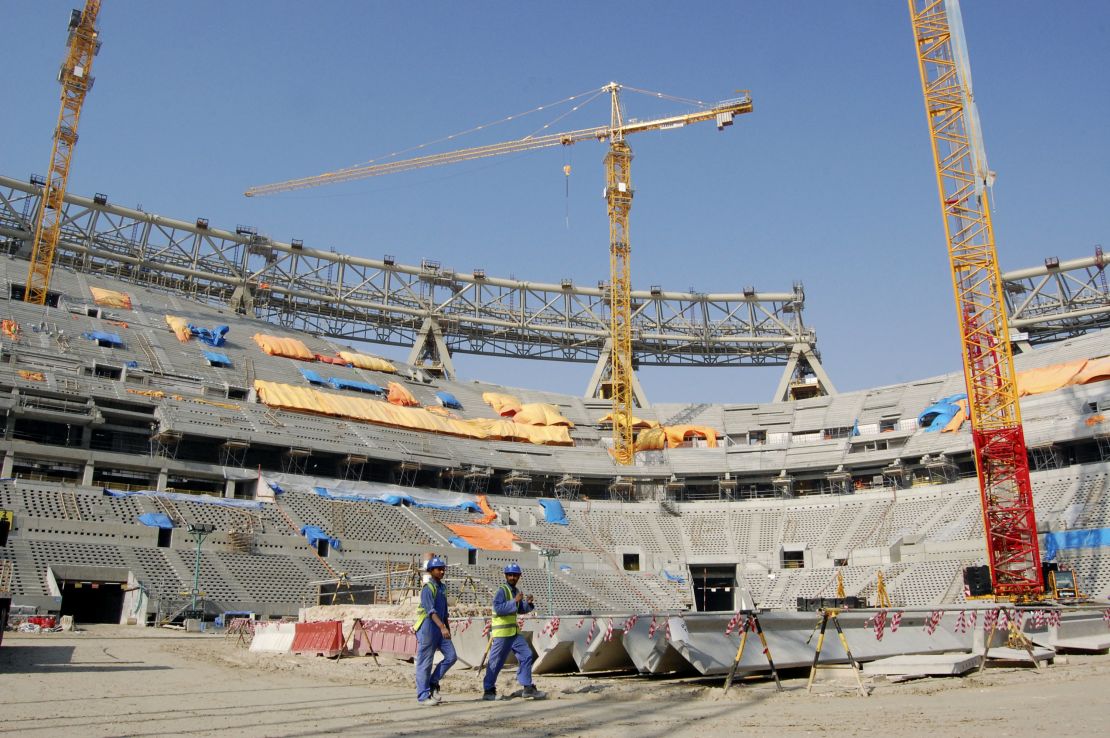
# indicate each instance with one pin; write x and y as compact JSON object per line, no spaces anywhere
{"x":112,"y":339}
{"x":564,"y":567}
{"x":553,"y":512}
{"x":132,"y":365}
{"x":448,"y":400}
{"x":400,"y":499}
{"x":355,"y":385}
{"x":937,"y":415}
{"x":1083,"y":538}
{"x":217,"y":359}
{"x":312,"y":377}
{"x":314,"y":534}
{"x":211,"y":336}
{"x":156,"y":520}
{"x":461,"y":543}
{"x":179,"y":497}
{"x":674,"y":578}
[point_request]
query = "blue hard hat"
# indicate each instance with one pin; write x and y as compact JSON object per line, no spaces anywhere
{"x":435,"y":563}
{"x":513,"y":569}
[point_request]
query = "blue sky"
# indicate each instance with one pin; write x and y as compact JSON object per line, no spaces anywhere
{"x":829,"y":181}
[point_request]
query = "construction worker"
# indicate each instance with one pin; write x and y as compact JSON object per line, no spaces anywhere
{"x":433,"y":633}
{"x":508,"y":603}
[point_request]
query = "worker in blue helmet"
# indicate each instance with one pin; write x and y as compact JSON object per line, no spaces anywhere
{"x":508,"y":604}
{"x":433,"y":633}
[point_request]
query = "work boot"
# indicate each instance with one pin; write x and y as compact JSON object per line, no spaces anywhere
{"x":429,"y":702}
{"x":531,"y":693}
{"x":489,"y":695}
{"x":435,"y":695}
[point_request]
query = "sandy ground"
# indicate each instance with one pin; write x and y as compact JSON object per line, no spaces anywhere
{"x":112,"y":680}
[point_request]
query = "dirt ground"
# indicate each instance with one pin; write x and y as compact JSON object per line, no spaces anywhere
{"x":111,"y":680}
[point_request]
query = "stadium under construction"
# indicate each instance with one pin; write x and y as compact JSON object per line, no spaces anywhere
{"x":196,"y":428}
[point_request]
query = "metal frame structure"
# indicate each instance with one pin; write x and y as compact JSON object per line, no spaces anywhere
{"x":76,"y":80}
{"x":385,"y":302}
{"x":1057,"y":301}
{"x":962,"y":182}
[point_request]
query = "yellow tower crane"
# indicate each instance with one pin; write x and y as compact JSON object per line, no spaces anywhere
{"x":76,"y":79}
{"x":618,"y":194}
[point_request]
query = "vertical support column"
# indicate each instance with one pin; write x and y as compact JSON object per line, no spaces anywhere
{"x":163,"y":479}
{"x":87,"y":475}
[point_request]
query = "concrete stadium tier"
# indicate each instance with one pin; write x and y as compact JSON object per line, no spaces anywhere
{"x":793,"y":494}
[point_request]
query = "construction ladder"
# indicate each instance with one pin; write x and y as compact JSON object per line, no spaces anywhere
{"x":69,"y":505}
{"x":148,"y":351}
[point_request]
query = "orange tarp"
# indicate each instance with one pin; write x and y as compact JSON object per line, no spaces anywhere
{"x":504,"y":405}
{"x":110,"y":298}
{"x":483,"y":505}
{"x":32,"y":376}
{"x":306,"y":399}
{"x":1048,"y":378}
{"x":607,"y":419}
{"x":10,"y":328}
{"x":540,"y":413}
{"x":362,"y":361}
{"x":278,"y":346}
{"x":484,"y":537}
{"x":1096,"y":370}
{"x":958,"y":419}
{"x":676,"y":434}
{"x":180,"y":328}
{"x":399,"y":395}
{"x":650,"y":439}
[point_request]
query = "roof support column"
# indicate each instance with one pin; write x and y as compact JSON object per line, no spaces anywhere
{"x":429,"y":345}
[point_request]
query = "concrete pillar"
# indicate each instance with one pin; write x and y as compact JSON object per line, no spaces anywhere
{"x":9,"y":464}
{"x":163,"y":478}
{"x":87,"y":476}
{"x":229,"y":488}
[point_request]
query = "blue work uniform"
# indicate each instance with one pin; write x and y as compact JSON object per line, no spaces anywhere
{"x":504,"y":604}
{"x":433,"y":598}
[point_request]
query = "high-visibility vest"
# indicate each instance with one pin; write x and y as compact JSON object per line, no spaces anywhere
{"x":421,"y":613}
{"x":503,"y":626}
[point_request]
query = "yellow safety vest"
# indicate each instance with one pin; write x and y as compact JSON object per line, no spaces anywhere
{"x":421,"y":613}
{"x":503,"y":626}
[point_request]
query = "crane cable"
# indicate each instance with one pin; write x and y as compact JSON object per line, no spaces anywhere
{"x":484,"y":126}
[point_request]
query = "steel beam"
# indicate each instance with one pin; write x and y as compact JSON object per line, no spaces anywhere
{"x":380,"y":301}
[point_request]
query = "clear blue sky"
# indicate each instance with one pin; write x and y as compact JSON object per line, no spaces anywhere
{"x":829,"y":182}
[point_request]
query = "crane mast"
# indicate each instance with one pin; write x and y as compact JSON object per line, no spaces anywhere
{"x":618,"y":195}
{"x":963,"y":178}
{"x":76,"y":80}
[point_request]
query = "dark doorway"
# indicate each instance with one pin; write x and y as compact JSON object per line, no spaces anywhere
{"x":165,"y":537}
{"x":322,"y":547}
{"x":714,"y":587}
{"x":92,"y":602}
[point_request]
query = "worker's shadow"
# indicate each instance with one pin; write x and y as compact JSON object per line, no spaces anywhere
{"x":16,"y":659}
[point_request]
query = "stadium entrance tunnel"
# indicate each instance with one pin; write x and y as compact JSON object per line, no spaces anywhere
{"x":714,"y":587}
{"x":91,"y":594}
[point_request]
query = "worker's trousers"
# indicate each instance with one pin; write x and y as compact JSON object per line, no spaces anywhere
{"x":428,"y":641}
{"x":499,"y":651}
